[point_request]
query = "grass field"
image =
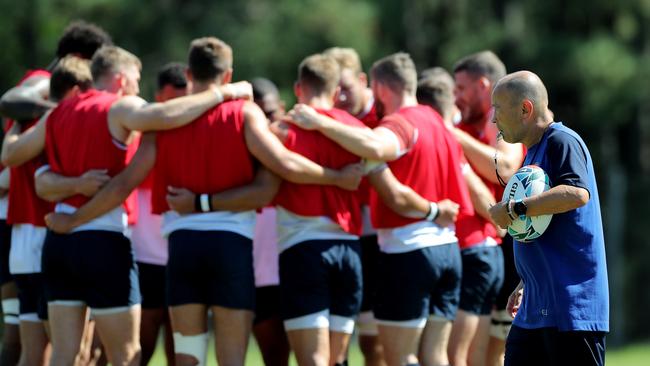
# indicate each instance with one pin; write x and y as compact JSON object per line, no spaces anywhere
{"x":632,"y":355}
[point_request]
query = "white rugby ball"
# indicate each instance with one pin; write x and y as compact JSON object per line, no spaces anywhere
{"x":528,"y":181}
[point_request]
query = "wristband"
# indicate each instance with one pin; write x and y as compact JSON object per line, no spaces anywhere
{"x":205,"y":202}
{"x":433,"y":212}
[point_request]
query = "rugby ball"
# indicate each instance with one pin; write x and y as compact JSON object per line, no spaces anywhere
{"x":528,"y":181}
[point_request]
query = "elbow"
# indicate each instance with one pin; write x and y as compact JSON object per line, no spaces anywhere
{"x":581,"y":197}
{"x":7,"y":157}
{"x":45,"y":195}
{"x":375,"y":151}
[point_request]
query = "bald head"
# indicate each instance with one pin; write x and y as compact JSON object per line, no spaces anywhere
{"x":524,"y":85}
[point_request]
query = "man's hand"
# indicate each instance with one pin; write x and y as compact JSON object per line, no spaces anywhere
{"x":350,"y":177}
{"x":514,"y":301}
{"x":499,"y":214}
{"x":447,"y":212}
{"x":238,"y":90}
{"x":92,"y":181}
{"x":303,"y":116}
{"x":180,"y":200}
{"x":61,"y":223}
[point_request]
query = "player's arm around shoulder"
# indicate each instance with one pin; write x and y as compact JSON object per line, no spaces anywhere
{"x":375,"y":144}
{"x":28,"y":100}
{"x":132,"y":113}
{"x":271,"y":152}
{"x":19,"y":148}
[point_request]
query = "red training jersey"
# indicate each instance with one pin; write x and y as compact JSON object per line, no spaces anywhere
{"x":208,"y":155}
{"x":431,"y":167}
{"x":78,"y":139}
{"x":340,"y":205}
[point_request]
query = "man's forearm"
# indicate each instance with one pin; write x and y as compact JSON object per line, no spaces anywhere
{"x":362,"y":142}
{"x":115,"y":192}
{"x":250,"y":197}
{"x":53,"y":187}
{"x":480,"y":155}
{"x":298,"y":169}
{"x":398,"y":197}
{"x":558,"y":199}
{"x":482,"y":198}
{"x":24,"y":109}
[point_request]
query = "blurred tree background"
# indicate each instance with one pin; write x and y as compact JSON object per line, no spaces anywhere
{"x":593,"y":56}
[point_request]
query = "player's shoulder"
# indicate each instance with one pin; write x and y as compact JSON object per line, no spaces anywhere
{"x":561,"y":135}
{"x":344,"y":116}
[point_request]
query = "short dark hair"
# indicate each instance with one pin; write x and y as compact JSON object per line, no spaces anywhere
{"x":397,"y":71}
{"x":71,"y":71}
{"x":262,"y":87}
{"x":484,"y":63}
{"x":172,"y":74}
{"x":82,"y":39}
{"x":320,"y":73}
{"x":209,"y":58}
{"x":436,"y":89}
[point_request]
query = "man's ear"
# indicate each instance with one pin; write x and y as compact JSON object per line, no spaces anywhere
{"x":227,"y":76}
{"x":363,"y":78}
{"x":485,"y":83}
{"x":297,"y":91}
{"x":337,"y":92}
{"x":527,"y":108}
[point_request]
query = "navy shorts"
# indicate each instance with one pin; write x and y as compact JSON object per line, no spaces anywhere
{"x":94,"y":267}
{"x":267,"y":303}
{"x":211,"y":268}
{"x":31,"y":295}
{"x":482,"y":279}
{"x":369,"y":259}
{"x":152,"y":285}
{"x":548,"y":346}
{"x":318,"y":275}
{"x":419,"y":283}
{"x":511,"y":277}
{"x":5,"y":247}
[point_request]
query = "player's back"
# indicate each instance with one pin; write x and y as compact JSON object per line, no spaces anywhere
{"x":78,"y":138}
{"x":208,"y":155}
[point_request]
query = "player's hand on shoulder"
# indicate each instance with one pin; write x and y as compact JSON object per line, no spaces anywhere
{"x":350,"y":176}
{"x":61,"y":223}
{"x":180,"y":200}
{"x":238,"y":90}
{"x":447,"y":212}
{"x":303,"y":116}
{"x":499,"y":214}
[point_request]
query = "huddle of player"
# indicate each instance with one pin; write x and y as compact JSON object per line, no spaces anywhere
{"x":366,"y":204}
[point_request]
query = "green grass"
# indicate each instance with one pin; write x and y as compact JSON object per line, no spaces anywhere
{"x":632,"y":355}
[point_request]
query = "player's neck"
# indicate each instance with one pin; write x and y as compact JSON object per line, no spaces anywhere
{"x":318,"y":101}
{"x":398,"y":102}
{"x":198,"y":87}
{"x":367,"y":98}
{"x":538,"y":131}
